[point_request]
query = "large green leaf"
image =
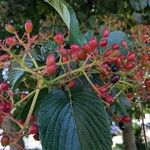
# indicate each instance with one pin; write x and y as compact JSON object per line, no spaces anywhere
{"x":77,"y":124}
{"x":69,"y":18}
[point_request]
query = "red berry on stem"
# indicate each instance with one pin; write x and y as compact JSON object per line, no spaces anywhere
{"x":102,"y":90}
{"x":51,"y":69}
{"x":74,"y":48}
{"x":103,"y":43}
{"x":59,"y":39}
{"x":71,"y":84}
{"x":4,"y":86}
{"x":7,"y":107}
{"x":126,"y":119}
{"x":50,"y":59}
{"x":5,"y":57}
{"x":5,"y":140}
{"x":63,"y":51}
{"x":131,"y":56}
{"x":128,"y":66}
{"x":86,"y":48}
{"x":109,"y":99}
{"x":33,"y":128}
{"x":93,"y":43}
{"x":105,"y":32}
{"x":11,"y":41}
{"x":108,"y":52}
{"x":64,"y":59}
{"x":28,"y":26}
{"x":124,"y":44}
{"x":115,"y":46}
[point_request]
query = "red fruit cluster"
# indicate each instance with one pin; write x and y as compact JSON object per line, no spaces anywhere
{"x":51,"y":66}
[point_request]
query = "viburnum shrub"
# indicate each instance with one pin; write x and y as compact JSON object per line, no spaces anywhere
{"x":64,"y":93}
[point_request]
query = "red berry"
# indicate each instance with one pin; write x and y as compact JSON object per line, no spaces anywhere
{"x":108,"y":52}
{"x":109,"y":99}
{"x":63,"y":51}
{"x":51,"y":69}
{"x":103,"y":43}
{"x":28,"y":26}
{"x":124,"y":44}
{"x":33,"y":128}
{"x":93,"y":43}
{"x":11,"y":41}
{"x":105,"y":32}
{"x":81,"y":55}
{"x":86,"y":48}
{"x":102,"y":90}
{"x":4,"y":86}
{"x":64,"y":59}
{"x":59,"y":39}
{"x":74,"y":48}
{"x":71,"y":84}
{"x":126,"y":119}
{"x":50,"y":59}
{"x":7,"y":107}
{"x":5,"y":57}
{"x":5,"y":140}
{"x":131,"y":56}
{"x":118,"y":62}
{"x":128,"y":66}
{"x":115,"y":46}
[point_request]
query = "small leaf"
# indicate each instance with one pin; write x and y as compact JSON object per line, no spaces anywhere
{"x":88,"y":35}
{"x":15,"y":72}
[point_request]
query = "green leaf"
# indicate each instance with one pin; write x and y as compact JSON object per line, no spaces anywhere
{"x":69,"y":17}
{"x":16,"y":74}
{"x":41,"y":52}
{"x":88,"y":35}
{"x":77,"y":124}
{"x":25,"y":107}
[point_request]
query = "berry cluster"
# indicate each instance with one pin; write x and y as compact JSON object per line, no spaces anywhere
{"x":125,"y":73}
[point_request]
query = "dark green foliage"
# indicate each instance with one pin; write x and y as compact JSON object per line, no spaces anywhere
{"x":76,"y":121}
